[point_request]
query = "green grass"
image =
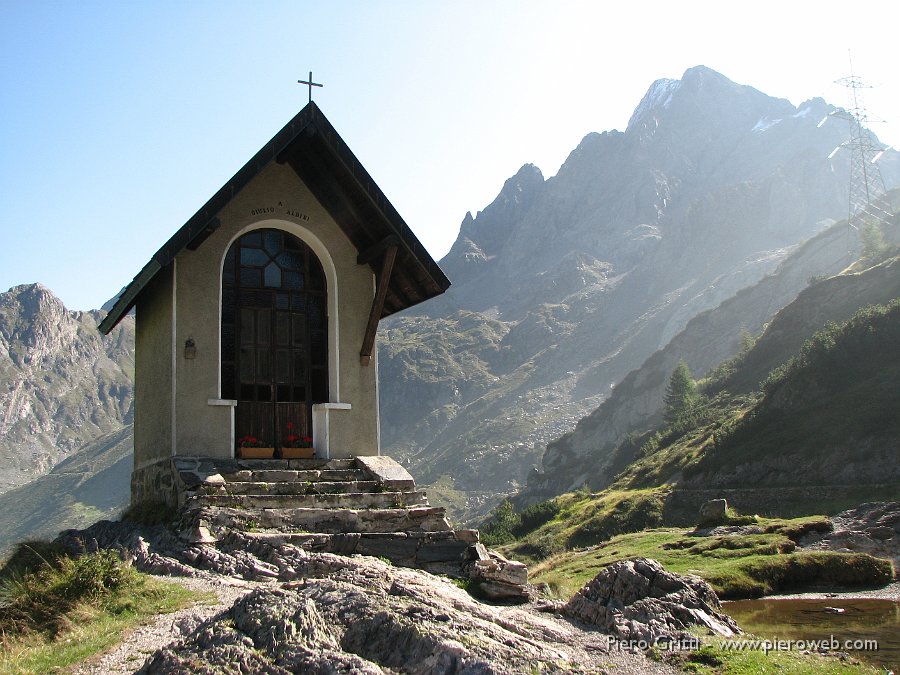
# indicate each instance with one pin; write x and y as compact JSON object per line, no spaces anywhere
{"x":736,"y":566}
{"x":714,"y":657}
{"x":56,"y":611}
{"x":583,"y":518}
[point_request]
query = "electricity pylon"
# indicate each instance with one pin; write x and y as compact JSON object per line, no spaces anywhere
{"x":868,"y":205}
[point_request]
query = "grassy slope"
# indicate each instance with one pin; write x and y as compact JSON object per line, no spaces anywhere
{"x":839,"y":393}
{"x":58,"y":611}
{"x":90,"y":485}
{"x":736,"y":565}
{"x":831,"y":407}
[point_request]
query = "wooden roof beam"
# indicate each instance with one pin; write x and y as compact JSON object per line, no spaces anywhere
{"x":376,"y":250}
{"x":381,"y":289}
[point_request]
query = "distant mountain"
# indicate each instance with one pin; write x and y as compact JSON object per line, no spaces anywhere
{"x":62,"y":384}
{"x":562,"y":286}
{"x":773,"y":305}
{"x":92,"y":484}
{"x":826,"y":417}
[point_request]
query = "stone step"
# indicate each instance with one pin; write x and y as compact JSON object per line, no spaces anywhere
{"x":293,"y":488}
{"x":326,"y":520}
{"x":294,"y":476}
{"x":296,"y":464}
{"x":337,"y":500}
{"x":411,"y":549}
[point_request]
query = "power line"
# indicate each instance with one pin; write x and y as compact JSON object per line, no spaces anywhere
{"x":868,"y":204}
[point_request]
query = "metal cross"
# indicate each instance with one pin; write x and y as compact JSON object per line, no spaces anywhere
{"x":310,"y":84}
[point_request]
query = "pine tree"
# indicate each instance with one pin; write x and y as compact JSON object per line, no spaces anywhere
{"x":872,"y":240}
{"x":681,"y":393}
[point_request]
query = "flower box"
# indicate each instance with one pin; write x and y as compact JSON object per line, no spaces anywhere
{"x":256,"y":453}
{"x":298,"y":453}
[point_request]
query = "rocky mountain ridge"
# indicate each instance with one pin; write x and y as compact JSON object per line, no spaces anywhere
{"x":62,"y":384}
{"x":575,"y":280}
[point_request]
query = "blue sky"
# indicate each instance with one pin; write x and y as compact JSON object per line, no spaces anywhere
{"x":118,"y":119}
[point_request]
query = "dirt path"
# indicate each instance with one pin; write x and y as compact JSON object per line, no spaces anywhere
{"x":130,"y":654}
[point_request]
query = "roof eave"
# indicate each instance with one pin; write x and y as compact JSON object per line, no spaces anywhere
{"x":205,"y":220}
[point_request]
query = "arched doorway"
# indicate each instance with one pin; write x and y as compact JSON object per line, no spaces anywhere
{"x":274,"y":335}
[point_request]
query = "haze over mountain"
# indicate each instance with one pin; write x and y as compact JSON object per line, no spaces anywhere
{"x":562,"y":286}
{"x":601,"y":440}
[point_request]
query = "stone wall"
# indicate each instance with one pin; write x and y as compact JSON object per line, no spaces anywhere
{"x":154,"y":483}
{"x":682,"y":506}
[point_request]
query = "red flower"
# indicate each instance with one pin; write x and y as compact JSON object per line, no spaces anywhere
{"x":293,"y":438}
{"x":290,"y":425}
{"x":307,"y":439}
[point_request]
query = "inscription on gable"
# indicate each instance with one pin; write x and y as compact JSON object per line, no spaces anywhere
{"x":268,"y":210}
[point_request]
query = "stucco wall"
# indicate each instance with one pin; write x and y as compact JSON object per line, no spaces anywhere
{"x":153,"y":367}
{"x":276,"y":198}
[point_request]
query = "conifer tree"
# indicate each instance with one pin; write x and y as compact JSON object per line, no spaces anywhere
{"x":872,"y":240}
{"x":681,"y":393}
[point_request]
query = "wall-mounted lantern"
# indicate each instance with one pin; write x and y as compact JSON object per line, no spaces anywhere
{"x":190,"y":349}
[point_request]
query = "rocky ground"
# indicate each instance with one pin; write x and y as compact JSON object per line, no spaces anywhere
{"x":359,"y":614}
{"x":872,"y":528}
{"x":282,"y":609}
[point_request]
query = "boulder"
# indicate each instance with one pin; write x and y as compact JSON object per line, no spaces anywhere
{"x":713,"y":512}
{"x":640,"y":602}
{"x":498,"y":578}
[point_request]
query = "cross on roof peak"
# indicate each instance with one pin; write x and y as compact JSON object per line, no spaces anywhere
{"x":310,"y":84}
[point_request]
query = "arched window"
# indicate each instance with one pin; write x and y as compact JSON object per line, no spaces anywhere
{"x":274,"y":334}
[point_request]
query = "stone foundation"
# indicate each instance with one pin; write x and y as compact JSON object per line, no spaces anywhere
{"x":155,"y":483}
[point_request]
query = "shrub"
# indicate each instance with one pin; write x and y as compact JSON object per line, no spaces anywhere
{"x":499,"y":526}
{"x":505,"y":525}
{"x":532,"y":517}
{"x":37,"y":592}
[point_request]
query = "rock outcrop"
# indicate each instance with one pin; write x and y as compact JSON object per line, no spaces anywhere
{"x":326,"y":613}
{"x":713,"y":512}
{"x":640,"y":602}
{"x":872,"y":528}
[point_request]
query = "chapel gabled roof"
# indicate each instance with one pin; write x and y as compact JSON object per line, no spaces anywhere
{"x":311,"y":147}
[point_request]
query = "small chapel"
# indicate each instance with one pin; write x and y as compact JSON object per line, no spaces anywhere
{"x":256,"y":320}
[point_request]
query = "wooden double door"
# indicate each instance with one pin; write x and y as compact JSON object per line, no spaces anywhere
{"x":274,"y":336}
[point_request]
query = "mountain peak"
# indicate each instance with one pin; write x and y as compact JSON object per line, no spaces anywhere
{"x":32,"y":298}
{"x":35,"y":288}
{"x":701,"y":73}
{"x":659,"y":95}
{"x":662,"y":92}
{"x":483,"y":236}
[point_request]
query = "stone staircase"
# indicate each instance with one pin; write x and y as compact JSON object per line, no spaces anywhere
{"x":365,"y":505}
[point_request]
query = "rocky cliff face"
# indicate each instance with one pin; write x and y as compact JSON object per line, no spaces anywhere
{"x":62,"y":384}
{"x":579,"y":278}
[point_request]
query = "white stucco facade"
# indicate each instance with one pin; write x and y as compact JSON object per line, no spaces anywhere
{"x":179,"y":407}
